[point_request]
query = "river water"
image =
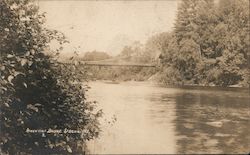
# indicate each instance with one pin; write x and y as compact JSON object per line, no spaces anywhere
{"x":142,"y":117}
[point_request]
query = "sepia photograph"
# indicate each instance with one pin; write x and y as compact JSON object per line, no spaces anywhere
{"x":124,"y":77}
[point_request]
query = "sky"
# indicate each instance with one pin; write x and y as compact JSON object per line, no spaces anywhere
{"x":106,"y":25}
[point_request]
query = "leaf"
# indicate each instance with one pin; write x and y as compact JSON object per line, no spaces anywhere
{"x":10,"y":56}
{"x":51,"y":145}
{"x":31,"y":107}
{"x":23,"y":62}
{"x":25,"y":85}
{"x":30,"y":63}
{"x":3,"y":88}
{"x":75,"y":63}
{"x":2,"y":68}
{"x":7,"y":105}
{"x":10,"y":78}
{"x":17,"y":73}
{"x":38,"y":104}
{"x":27,"y":54}
{"x":67,"y":138}
{"x":32,"y":52}
{"x":69,"y":149}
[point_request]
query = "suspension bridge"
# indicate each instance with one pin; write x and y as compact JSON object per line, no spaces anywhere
{"x":118,"y":62}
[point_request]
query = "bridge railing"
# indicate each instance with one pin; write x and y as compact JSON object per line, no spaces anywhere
{"x":113,"y":62}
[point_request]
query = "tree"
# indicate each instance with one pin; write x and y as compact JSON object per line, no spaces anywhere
{"x":233,"y":40}
{"x":133,"y":52}
{"x":187,"y":59}
{"x":95,"y":55}
{"x":156,"y":45}
{"x":185,"y":25}
{"x":188,"y":50}
{"x":36,"y":91}
{"x":206,"y":21}
{"x":211,"y":42}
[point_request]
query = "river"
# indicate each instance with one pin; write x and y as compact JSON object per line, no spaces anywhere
{"x":142,"y":117}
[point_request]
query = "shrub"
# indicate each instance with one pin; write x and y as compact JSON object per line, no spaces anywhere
{"x":36,"y":91}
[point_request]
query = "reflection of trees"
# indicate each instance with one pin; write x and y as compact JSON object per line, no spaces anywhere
{"x":212,"y":124}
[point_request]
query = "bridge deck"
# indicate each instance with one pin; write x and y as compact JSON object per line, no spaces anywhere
{"x":113,"y":64}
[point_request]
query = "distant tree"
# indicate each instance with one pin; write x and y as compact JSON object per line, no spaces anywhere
{"x":156,"y":45}
{"x":126,"y":51}
{"x":95,"y":55}
{"x":133,"y":52}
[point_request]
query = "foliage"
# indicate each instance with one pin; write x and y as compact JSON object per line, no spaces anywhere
{"x":210,"y":43}
{"x":36,"y":91}
{"x":156,"y":45}
{"x":95,"y":55}
{"x":120,"y":73}
{"x":133,"y":53}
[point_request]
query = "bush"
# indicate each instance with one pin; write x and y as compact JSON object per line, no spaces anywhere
{"x":36,"y":91}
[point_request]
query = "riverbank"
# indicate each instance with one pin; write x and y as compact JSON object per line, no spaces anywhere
{"x":150,"y":79}
{"x":206,"y":86}
{"x":152,"y":75}
{"x":185,"y":87}
{"x":121,"y":74}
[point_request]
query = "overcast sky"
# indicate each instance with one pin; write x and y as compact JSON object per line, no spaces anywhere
{"x":108,"y":25}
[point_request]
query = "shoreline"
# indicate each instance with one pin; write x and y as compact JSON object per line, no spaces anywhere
{"x":233,"y":87}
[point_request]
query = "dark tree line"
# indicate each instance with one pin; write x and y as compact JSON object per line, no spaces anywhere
{"x":209,"y":44}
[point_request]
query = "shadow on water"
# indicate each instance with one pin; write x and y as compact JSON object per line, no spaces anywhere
{"x":212,"y":122}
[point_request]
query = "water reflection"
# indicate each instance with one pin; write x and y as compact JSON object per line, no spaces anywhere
{"x":154,"y":119}
{"x":142,"y":126}
{"x":215,"y":122}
